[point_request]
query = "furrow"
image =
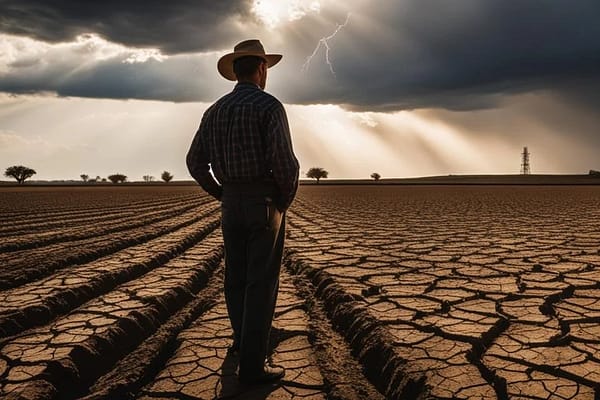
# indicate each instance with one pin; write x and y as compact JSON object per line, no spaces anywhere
{"x":140,"y":366}
{"x":78,"y":219}
{"x":200,"y":367}
{"x":38,"y":302}
{"x":371,"y":343}
{"x":71,"y":233}
{"x":24,"y":266}
{"x":98,"y":209}
{"x":71,"y":352}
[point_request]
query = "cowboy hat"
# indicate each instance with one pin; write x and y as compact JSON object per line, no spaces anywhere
{"x":251,"y":47}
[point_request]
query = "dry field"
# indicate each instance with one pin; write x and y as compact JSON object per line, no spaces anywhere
{"x":432,"y":292}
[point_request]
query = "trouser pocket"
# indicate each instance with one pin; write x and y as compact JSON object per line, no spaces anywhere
{"x":273,"y":215}
{"x":261,"y":213}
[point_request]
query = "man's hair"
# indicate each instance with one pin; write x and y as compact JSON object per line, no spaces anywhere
{"x":245,"y":67}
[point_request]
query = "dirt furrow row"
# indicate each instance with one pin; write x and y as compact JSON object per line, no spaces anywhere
{"x":371,"y":343}
{"x":80,"y":232}
{"x":62,"y":359}
{"x":24,"y":266}
{"x":139,"y":367}
{"x":40,"y":301}
{"x":25,"y":226}
{"x":202,"y":368}
{"x":100,"y":206}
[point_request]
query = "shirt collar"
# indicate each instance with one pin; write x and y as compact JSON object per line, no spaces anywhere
{"x":241,"y":85}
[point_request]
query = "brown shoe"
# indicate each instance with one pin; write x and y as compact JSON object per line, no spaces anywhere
{"x":269,"y":374}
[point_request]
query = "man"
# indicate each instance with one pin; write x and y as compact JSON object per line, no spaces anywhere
{"x":244,"y":138}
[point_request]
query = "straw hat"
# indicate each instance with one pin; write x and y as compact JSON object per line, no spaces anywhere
{"x":251,"y":47}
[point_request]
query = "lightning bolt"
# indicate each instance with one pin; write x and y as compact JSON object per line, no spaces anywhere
{"x":324,"y":41}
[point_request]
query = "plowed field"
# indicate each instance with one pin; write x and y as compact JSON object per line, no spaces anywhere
{"x":432,"y":292}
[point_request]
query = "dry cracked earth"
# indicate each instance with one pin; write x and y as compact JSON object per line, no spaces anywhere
{"x":397,"y":292}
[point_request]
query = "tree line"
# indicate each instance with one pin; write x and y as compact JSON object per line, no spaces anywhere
{"x":21,"y":173}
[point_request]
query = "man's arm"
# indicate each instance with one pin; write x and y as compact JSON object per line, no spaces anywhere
{"x":198,"y":163}
{"x":285,"y":166}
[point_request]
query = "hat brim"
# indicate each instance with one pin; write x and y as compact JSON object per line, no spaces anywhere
{"x":225,"y":63}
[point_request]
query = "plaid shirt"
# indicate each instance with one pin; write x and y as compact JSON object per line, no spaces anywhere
{"x":245,"y":137}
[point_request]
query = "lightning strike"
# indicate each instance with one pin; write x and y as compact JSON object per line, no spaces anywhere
{"x":324,"y":41}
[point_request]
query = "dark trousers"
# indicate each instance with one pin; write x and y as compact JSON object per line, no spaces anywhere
{"x":253,"y":233}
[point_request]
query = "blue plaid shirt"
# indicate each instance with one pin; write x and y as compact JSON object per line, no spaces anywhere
{"x":245,"y":137}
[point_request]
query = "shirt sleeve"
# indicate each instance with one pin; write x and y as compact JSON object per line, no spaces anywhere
{"x":198,"y":162}
{"x":284,"y":166}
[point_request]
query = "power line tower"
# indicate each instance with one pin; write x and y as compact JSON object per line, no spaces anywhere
{"x":525,"y":168}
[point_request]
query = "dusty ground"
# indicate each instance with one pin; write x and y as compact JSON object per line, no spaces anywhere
{"x":388,"y":292}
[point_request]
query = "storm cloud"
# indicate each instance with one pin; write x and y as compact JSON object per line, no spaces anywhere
{"x":171,"y":26}
{"x":389,"y":56}
{"x":462,"y":55}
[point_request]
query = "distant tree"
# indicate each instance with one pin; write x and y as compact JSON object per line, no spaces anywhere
{"x":98,"y":179}
{"x":19,"y":172}
{"x":148,"y":178}
{"x":84,"y":177}
{"x":103,"y":180}
{"x":166,"y":176}
{"x":117,"y":178}
{"x":317,"y":173}
{"x":375,"y":176}
{"x":594,"y":172}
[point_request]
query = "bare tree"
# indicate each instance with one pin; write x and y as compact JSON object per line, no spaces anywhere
{"x":375,"y":176}
{"x":148,"y":178}
{"x":166,"y":176}
{"x":84,"y":177}
{"x":317,"y":173}
{"x":117,"y":178}
{"x":19,"y":172}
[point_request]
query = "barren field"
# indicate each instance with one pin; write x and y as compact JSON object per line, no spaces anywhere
{"x":433,"y":292}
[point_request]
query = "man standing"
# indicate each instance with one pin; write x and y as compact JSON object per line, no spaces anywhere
{"x":244,"y":138}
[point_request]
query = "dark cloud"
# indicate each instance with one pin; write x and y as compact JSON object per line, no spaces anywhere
{"x":179,"y":79}
{"x":423,"y":53}
{"x":172,"y":26}
{"x":459,"y":55}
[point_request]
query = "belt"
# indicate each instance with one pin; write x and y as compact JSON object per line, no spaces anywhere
{"x":259,"y":187}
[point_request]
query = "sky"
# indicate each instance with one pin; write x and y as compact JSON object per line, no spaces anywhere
{"x":404,"y":88}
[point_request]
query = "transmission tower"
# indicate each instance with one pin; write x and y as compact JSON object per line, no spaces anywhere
{"x":525,"y":168}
